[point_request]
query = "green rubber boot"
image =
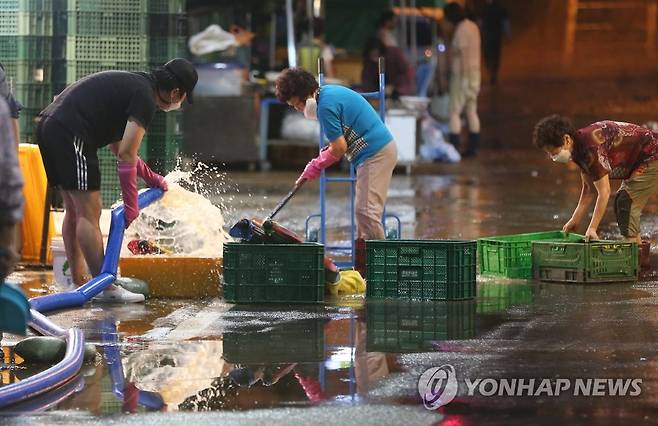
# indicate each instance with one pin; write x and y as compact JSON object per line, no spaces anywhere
{"x":133,"y":285}
{"x":48,"y":350}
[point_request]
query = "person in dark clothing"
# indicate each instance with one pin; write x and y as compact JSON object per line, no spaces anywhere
{"x":114,"y":109}
{"x":11,"y":193}
{"x":495,"y":26}
{"x":15,"y":107}
{"x":386,"y":29}
{"x":399,"y":75}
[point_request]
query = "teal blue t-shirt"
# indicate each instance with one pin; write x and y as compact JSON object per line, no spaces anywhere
{"x":344,"y":112}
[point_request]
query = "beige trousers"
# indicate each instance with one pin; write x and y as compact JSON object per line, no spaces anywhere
{"x":373,"y":178}
{"x":641,"y":186}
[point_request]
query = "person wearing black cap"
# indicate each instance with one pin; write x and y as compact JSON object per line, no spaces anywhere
{"x":114,"y":109}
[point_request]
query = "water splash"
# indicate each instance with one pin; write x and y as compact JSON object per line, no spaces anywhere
{"x":183,"y":222}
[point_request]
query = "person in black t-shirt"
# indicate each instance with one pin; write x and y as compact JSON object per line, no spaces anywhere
{"x":114,"y":109}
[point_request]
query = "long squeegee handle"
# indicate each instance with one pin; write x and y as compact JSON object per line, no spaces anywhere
{"x":285,"y":200}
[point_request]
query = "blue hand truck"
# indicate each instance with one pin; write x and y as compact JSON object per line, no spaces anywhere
{"x":380,"y":95}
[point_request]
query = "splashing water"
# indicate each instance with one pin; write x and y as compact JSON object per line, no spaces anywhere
{"x":182,"y":222}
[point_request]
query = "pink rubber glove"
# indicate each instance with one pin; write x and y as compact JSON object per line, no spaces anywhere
{"x":312,"y":388}
{"x":315,"y":166}
{"x":128,"y":178}
{"x":152,"y":179}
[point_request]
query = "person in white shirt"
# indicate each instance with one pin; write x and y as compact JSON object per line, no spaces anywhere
{"x":464,"y":77}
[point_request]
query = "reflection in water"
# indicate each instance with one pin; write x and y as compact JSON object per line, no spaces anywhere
{"x":175,"y":370}
{"x":253,"y":341}
{"x":494,"y":296}
{"x":273,"y":361}
{"x":414,"y":326}
{"x":125,"y":390}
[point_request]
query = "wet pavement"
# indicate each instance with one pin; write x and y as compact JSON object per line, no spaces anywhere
{"x":349,"y":361}
{"x":352,"y":361}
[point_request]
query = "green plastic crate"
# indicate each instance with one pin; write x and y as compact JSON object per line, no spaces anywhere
{"x":163,"y":151}
{"x":26,"y":23}
{"x":15,"y":48}
{"x":28,"y":71}
{"x":263,"y":273}
{"x":34,"y":96}
{"x":101,"y":48}
{"x":110,"y":186}
{"x":163,"y":49}
{"x":27,"y":124}
{"x":26,"y":6}
{"x":510,"y":256}
{"x":404,"y":326}
{"x":167,"y":123}
{"x":130,"y":6}
{"x":421,"y":270}
{"x":166,"y":6}
{"x":292,"y":341}
{"x":66,"y":72}
{"x":99,"y":23}
{"x":580,"y":262}
{"x":167,"y":25}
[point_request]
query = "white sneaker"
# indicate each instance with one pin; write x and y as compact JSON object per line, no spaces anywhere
{"x":118,"y":294}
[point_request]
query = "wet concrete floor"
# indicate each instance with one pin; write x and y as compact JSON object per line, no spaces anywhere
{"x":350,"y":361}
{"x":355,"y":362}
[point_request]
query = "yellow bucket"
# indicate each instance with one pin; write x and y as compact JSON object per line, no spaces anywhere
{"x":175,"y":276}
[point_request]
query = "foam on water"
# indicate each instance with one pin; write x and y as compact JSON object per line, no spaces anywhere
{"x":183,"y":222}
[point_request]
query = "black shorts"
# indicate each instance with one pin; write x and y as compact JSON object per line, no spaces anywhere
{"x":70,"y":163}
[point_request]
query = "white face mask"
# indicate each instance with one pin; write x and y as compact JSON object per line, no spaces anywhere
{"x":311,"y":109}
{"x":564,"y":156}
{"x":173,"y":107}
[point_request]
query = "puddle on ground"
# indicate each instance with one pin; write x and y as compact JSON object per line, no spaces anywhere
{"x":347,"y":356}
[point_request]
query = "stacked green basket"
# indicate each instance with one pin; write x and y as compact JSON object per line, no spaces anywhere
{"x":167,"y":31}
{"x":26,"y":29}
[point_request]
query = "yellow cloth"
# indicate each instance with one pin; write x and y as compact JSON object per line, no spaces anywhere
{"x":350,"y":282}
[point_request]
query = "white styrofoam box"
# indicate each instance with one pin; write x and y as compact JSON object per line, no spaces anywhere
{"x":403,"y":128}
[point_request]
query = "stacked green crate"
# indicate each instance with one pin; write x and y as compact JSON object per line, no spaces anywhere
{"x":26,"y":29}
{"x":99,"y":35}
{"x":163,"y":141}
{"x":167,"y":29}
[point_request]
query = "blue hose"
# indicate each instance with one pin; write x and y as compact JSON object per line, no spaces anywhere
{"x":67,"y":368}
{"x":47,"y":400}
{"x":53,"y":377}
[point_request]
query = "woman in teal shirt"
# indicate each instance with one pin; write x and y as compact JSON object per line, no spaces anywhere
{"x":354,"y":130}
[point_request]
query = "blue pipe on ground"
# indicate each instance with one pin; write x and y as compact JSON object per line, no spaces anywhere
{"x":70,"y":365}
{"x":50,"y":379}
{"x":47,"y":400}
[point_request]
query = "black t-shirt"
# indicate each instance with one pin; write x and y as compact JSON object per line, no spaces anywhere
{"x":96,"y":108}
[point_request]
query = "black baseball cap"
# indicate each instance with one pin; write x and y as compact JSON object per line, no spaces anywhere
{"x":185,"y":74}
